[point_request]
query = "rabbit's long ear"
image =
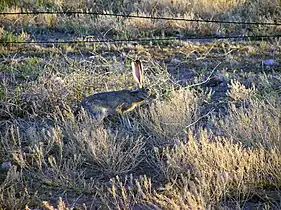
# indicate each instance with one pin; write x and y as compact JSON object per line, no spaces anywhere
{"x":138,"y":72}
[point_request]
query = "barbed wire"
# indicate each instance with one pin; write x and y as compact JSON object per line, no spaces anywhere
{"x":140,"y":40}
{"x":141,"y":17}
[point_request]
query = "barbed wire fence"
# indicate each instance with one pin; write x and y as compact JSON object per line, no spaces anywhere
{"x":138,"y":16}
{"x":141,"y":40}
{"x":174,"y":38}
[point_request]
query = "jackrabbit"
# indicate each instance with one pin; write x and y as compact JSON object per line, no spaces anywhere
{"x":103,"y":104}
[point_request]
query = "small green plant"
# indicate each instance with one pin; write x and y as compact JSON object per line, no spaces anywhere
{"x":10,"y":37}
{"x":4,"y":4}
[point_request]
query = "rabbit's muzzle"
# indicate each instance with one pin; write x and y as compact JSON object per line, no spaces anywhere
{"x":141,"y":94}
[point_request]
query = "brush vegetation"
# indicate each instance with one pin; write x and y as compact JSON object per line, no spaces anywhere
{"x":209,"y":138}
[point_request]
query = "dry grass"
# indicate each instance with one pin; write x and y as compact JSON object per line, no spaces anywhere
{"x":255,"y":124}
{"x":210,"y":146}
{"x":166,"y":120}
{"x":179,"y":168}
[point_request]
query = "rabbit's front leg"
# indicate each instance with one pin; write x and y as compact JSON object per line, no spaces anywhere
{"x":125,"y":107}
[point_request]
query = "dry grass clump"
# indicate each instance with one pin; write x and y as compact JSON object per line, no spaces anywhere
{"x":269,"y":85}
{"x":209,"y":173}
{"x":49,"y":148}
{"x":110,"y":152}
{"x":127,"y":193}
{"x":13,"y":194}
{"x":46,"y":95}
{"x":239,"y":92}
{"x":167,"y":119}
{"x":260,"y":9}
{"x":35,"y":99}
{"x":40,"y":20}
{"x":61,"y":205}
{"x":257,"y":123}
{"x":50,"y":91}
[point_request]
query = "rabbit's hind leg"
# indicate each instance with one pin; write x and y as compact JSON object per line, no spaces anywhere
{"x":96,"y":114}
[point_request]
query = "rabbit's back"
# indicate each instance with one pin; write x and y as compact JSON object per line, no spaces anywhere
{"x":106,"y":99}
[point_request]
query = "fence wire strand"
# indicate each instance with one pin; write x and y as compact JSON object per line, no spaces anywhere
{"x":140,"y":17}
{"x":141,"y":40}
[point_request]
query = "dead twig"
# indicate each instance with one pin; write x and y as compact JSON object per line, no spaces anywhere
{"x":196,"y":121}
{"x":208,"y":78}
